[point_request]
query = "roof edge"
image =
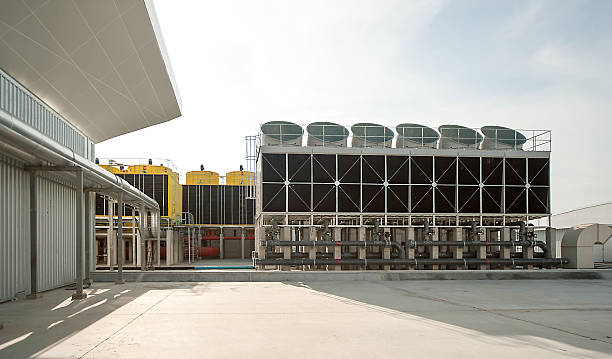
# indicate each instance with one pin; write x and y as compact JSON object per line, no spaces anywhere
{"x":583,"y":208}
{"x":162,"y":49}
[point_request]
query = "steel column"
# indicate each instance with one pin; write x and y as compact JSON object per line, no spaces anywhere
{"x":89,"y":239}
{"x":221,"y":244}
{"x":158,"y":255}
{"x":79,"y":294}
{"x":242,"y":243}
{"x":120,"y":242}
{"x":33,"y":238}
{"x":142,"y":212}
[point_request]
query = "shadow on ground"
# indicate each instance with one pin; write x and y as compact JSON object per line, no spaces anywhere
{"x":33,"y":325}
{"x":541,"y":313}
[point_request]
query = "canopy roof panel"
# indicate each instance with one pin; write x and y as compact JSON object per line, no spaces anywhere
{"x":101,"y":64}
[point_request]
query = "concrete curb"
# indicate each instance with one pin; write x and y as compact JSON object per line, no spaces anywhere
{"x":299,"y":276}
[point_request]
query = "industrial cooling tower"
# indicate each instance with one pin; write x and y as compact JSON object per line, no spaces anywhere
{"x":455,"y":136}
{"x":276,"y":133}
{"x":327,"y":134}
{"x":371,"y":135}
{"x":502,"y":138}
{"x":410,"y":135}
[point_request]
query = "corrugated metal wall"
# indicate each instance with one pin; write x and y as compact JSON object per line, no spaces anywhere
{"x":14,"y":229}
{"x":56,"y":209}
{"x":56,"y":230}
{"x":55,"y":206}
{"x":19,"y":102}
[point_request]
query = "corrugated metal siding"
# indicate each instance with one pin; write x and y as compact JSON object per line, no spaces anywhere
{"x":56,"y":201}
{"x":56,"y":232}
{"x":21,"y":103}
{"x":14,"y":229}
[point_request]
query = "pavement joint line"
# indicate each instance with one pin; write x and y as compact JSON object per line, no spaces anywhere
{"x":543,"y":325}
{"x":403,"y":315}
{"x":495,"y":313}
{"x":126,"y":324}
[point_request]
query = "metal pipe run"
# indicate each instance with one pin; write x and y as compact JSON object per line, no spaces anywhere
{"x":495,"y":254}
{"x":441,"y":255}
{"x":336,"y":243}
{"x":413,"y":262}
{"x":212,"y":238}
{"x":27,"y":138}
{"x":477,"y":243}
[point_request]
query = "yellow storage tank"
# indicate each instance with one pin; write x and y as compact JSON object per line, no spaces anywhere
{"x":158,"y":182}
{"x":113,"y":169}
{"x":175,"y":196}
{"x":240,"y":178}
{"x":149,"y":169}
{"x":203,"y":177}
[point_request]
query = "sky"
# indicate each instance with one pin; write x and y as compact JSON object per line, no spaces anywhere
{"x":520,"y":64}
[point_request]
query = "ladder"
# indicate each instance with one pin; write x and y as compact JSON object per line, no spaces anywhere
{"x":189,"y":247}
{"x":149,"y":263}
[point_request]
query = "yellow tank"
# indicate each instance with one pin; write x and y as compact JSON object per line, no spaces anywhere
{"x":240,"y":178}
{"x":203,"y":177}
{"x":175,"y":196}
{"x":171,"y":199}
{"x":113,"y":169}
{"x":149,"y":169}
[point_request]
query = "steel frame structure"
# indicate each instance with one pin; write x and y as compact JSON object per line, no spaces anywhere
{"x":520,"y":189}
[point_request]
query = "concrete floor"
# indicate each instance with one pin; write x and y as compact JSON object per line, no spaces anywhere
{"x":395,"y":319}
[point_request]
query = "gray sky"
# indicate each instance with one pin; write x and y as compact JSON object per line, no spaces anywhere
{"x":521,"y":64}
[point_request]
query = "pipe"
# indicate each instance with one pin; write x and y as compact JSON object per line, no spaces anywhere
{"x":410,"y":244}
{"x":336,"y":243}
{"x":477,"y":243}
{"x":414,"y":262}
{"x":224,"y":237}
{"x":542,"y":246}
{"x":44,"y":148}
{"x":444,"y":255}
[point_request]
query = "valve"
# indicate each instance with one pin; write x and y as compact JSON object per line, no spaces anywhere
{"x":274,"y":232}
{"x":326,"y":233}
{"x":475,"y":230}
{"x":377,"y":232}
{"x":427,"y":232}
{"x":387,"y":239}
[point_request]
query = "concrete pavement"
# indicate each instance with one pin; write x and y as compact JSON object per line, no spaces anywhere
{"x":433,"y":319}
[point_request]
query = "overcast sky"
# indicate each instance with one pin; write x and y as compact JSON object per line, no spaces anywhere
{"x":521,"y":64}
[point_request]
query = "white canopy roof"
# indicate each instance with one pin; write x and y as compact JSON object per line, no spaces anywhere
{"x":101,"y":64}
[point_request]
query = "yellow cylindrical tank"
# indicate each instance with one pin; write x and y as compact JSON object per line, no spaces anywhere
{"x":113,"y":169}
{"x":203,"y":177}
{"x":240,"y":178}
{"x":150,"y":169}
